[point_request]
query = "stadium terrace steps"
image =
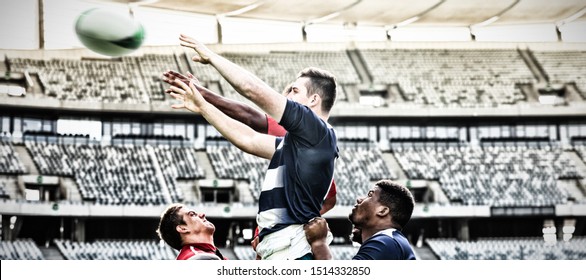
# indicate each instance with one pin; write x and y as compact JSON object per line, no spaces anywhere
{"x":573,"y":93}
{"x":245,"y":196}
{"x":228,"y":253}
{"x":530,"y":92}
{"x":51,"y":253}
{"x":573,"y":189}
{"x":580,"y":165}
{"x":577,"y":190}
{"x":424,"y":253}
{"x":438,"y":193}
{"x":71,"y":189}
{"x":352,"y":94}
{"x":395,"y":95}
{"x":533,"y":65}
{"x":10,"y":186}
{"x":189,"y":190}
{"x":26,"y":159}
{"x":204,"y":161}
{"x":360,"y":66}
{"x":159,"y":173}
{"x":394,"y":165}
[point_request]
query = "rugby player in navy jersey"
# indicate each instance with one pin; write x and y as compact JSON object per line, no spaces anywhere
{"x":301,"y":165}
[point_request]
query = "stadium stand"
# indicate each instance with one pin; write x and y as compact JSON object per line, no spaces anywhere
{"x":10,"y":163}
{"x":513,"y":248}
{"x":520,"y":174}
{"x":97,"y":81}
{"x":131,"y":80}
{"x":115,"y":250}
{"x":231,"y":163}
{"x":452,"y":78}
{"x":105,"y":174}
{"x":3,"y":191}
{"x":20,"y":249}
{"x":564,"y":67}
{"x":151,"y":67}
{"x":178,"y":163}
{"x":279,"y":69}
{"x":146,"y":171}
{"x":359,"y":163}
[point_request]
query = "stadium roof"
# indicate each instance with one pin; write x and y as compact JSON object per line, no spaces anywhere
{"x":387,"y":12}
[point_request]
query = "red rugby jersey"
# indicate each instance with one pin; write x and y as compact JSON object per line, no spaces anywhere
{"x":190,"y":250}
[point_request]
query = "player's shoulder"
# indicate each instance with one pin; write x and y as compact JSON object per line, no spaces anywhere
{"x":388,"y":237}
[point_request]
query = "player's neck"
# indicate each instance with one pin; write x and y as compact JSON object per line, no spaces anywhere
{"x":192,"y":239}
{"x":369,"y":232}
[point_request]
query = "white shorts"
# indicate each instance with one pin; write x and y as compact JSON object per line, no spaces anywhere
{"x":286,"y":244}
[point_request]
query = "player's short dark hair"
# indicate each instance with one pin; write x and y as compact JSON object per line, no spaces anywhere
{"x":399,"y":200}
{"x":322,"y":83}
{"x":167,"y":229}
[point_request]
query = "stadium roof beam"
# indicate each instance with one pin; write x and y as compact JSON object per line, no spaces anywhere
{"x":492,"y":19}
{"x":242,"y":10}
{"x":236,"y":12}
{"x":414,"y":18}
{"x":327,"y":17}
{"x":332,"y":15}
{"x":567,"y":20}
{"x":571,"y":18}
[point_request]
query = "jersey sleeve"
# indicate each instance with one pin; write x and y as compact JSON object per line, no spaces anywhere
{"x":303,"y":124}
{"x":274,"y":128}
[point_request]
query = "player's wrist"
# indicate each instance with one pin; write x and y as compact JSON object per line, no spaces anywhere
{"x":319,"y":243}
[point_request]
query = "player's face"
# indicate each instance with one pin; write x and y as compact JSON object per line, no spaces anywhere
{"x":298,"y":91}
{"x":196,"y":222}
{"x":365,"y":208}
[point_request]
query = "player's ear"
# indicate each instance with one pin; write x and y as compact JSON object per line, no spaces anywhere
{"x":382,"y":211}
{"x":181,"y":228}
{"x":314,"y":99}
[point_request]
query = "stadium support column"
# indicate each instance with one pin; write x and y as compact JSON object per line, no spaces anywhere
{"x":41,"y":10}
{"x":11,"y":226}
{"x":219,"y":29}
{"x":559,"y":225}
{"x":78,"y":230}
{"x":6,"y":230}
{"x":463,"y":229}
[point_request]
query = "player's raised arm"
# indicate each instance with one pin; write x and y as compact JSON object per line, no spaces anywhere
{"x":246,"y":83}
{"x":242,"y":136}
{"x":237,"y":110}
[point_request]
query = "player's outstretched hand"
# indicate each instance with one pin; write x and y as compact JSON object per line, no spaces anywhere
{"x":188,"y":95}
{"x":203,"y":53}
{"x":171,"y":75}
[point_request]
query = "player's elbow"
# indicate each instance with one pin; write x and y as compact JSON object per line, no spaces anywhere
{"x":249,"y":90}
